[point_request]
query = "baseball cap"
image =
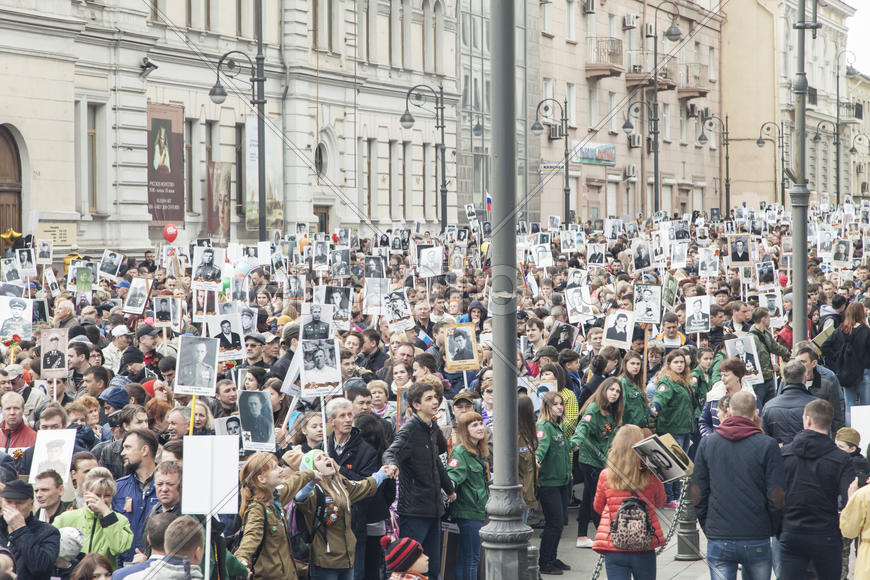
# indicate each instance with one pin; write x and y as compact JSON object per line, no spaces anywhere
{"x":548,"y":351}
{"x":120,"y":330}
{"x":14,"y":371}
{"x":146,"y":329}
{"x":122,"y":284}
{"x":464,"y":395}
{"x":269,"y":337}
{"x":257,"y":337}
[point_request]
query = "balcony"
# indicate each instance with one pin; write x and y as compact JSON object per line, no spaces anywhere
{"x":851,"y":113}
{"x":639,"y":70}
{"x":812,"y":96}
{"x":604,"y":58}
{"x":694,"y":81}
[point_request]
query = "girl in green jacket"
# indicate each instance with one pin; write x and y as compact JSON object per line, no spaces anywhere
{"x":672,"y":407}
{"x":600,"y":417}
{"x":554,"y":474}
{"x":633,"y":391}
{"x":468,"y":469}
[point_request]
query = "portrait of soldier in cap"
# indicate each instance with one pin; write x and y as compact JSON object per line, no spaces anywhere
{"x":19,"y":323}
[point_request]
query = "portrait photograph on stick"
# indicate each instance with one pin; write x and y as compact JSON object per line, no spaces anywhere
{"x":196,"y":367}
{"x":255,"y":412}
{"x":53,"y":346}
{"x":461,"y":345}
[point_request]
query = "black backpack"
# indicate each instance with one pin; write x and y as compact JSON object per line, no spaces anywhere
{"x":850,"y":366}
{"x":631,"y":528}
{"x":301,"y":535}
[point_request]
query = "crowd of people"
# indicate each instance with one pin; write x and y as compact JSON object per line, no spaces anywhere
{"x":671,"y":332}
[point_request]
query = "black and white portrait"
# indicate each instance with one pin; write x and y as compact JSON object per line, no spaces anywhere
{"x":430,"y":261}
{"x":576,"y":278}
{"x":697,"y":314}
{"x":374,"y":301}
{"x":321,"y":374}
{"x":595,"y":254}
{"x":640,"y":253}
{"x":341,"y":299}
{"x":568,"y":242}
{"x":207,"y":265}
{"x":842,"y":252}
{"x":110,"y":264}
{"x":315,"y":320}
{"x":678,"y":254}
{"x":227,"y":329}
{"x":457,"y":259}
{"x":301,"y":229}
{"x":681,"y":229}
{"x":339,"y":263}
{"x":196,"y":367}
{"x":562,"y":335}
{"x":399,"y":311}
{"x":295,"y":287}
{"x":461,"y":345}
{"x":374,"y":267}
{"x":26,"y":261}
{"x":249,"y":320}
{"x":320,"y":256}
{"x":43,"y":252}
{"x":277,"y":263}
{"x":239,"y":288}
{"x":619,"y":328}
{"x":765,"y":273}
{"x":648,"y":303}
{"x":10,"y":270}
{"x":666,"y":464}
{"x":255,"y":412}
{"x":470,"y":213}
{"x":542,"y":255}
{"x":579,"y":304}
{"x":744,"y":348}
{"x":53,"y":451}
{"x":53,"y":346}
{"x":739,"y":250}
{"x":553,"y":223}
{"x":708,"y":262}
{"x":137,"y":296}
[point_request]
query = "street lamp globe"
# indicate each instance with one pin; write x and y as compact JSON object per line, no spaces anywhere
{"x":407,"y":119}
{"x":702,"y":138}
{"x":537,"y":128}
{"x":627,"y":127}
{"x":817,"y":138}
{"x":217,"y":93}
{"x":853,"y":150}
{"x":760,"y":142}
{"x":673,"y":33}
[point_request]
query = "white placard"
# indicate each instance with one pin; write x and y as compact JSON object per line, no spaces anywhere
{"x":212,"y":463}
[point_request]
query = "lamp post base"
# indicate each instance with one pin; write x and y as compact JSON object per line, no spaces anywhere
{"x":506,"y":537}
{"x":688,"y":539}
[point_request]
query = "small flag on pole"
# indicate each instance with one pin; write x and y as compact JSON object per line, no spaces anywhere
{"x":488,"y":202}
{"x":422,"y":336}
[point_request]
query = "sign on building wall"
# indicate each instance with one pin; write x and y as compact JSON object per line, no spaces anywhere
{"x":274,"y":178}
{"x":218,"y":210}
{"x":593,"y":153}
{"x":166,"y":163}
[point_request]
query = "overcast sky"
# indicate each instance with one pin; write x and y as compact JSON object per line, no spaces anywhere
{"x":859,"y":35}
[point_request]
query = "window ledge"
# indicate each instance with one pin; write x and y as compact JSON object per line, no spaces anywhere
{"x":571,"y":41}
{"x":664,"y":140}
{"x":547,"y":34}
{"x":99,"y":214}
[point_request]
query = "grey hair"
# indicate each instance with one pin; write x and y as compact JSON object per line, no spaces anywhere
{"x":337,"y":404}
{"x":794,"y":372}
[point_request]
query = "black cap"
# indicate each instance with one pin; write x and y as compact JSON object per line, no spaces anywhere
{"x":17,"y":489}
{"x":145,"y":329}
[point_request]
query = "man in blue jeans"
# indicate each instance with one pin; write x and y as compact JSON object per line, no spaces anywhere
{"x":422,"y":477}
{"x":738,"y":491}
{"x":816,"y":472}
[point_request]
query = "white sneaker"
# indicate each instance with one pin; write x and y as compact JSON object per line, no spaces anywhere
{"x":587,"y":543}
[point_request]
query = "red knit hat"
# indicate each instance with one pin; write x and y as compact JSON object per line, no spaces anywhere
{"x":401,"y":554}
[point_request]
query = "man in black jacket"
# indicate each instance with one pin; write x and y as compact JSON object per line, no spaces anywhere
{"x":818,"y":385}
{"x":289,"y":341}
{"x":34,"y":544}
{"x":422,"y":475}
{"x":816,"y":472}
{"x":371,"y":356}
{"x":356,"y":460}
{"x":781,"y":417}
{"x":738,"y":490}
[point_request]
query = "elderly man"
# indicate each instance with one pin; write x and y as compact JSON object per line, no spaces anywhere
{"x":14,"y":431}
{"x":34,"y":544}
{"x":64,"y":315}
{"x":121,"y":339}
{"x":33,"y":398}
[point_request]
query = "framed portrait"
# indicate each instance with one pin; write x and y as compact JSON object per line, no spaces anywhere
{"x":17,"y":317}
{"x":26,"y":262}
{"x":648,"y":303}
{"x":461,"y":347}
{"x":53,"y":451}
{"x":137,"y":296}
{"x":321,"y":372}
{"x":399,"y":311}
{"x":739,"y":248}
{"x":53,"y":347}
{"x":196,"y":367}
{"x":641,"y":255}
{"x":697,"y":314}
{"x":664,"y":458}
{"x":255,"y":414}
{"x":619,"y":329}
{"x":227,"y":328}
{"x":44,"y":251}
{"x":595,"y":254}
{"x":743,"y":348}
{"x":110,"y":263}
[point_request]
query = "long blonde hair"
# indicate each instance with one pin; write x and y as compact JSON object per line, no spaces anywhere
{"x":332,"y":485}
{"x":249,"y":479}
{"x":625,"y":469}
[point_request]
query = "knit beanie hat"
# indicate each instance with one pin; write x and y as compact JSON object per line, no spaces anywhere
{"x":401,"y":554}
{"x":308,"y":459}
{"x":850,"y":436}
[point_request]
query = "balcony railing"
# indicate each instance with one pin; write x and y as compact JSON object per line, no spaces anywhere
{"x":640,"y":63}
{"x":851,"y":112}
{"x":607,"y":51}
{"x":694,"y":76}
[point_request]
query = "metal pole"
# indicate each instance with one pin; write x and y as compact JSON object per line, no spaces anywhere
{"x":799,"y":193}
{"x":837,"y":136}
{"x":567,"y":154}
{"x":782,"y":163}
{"x":505,"y":537}
{"x":440,"y":113}
{"x":655,"y":112}
{"x":261,"y":123}
{"x":727,"y":170}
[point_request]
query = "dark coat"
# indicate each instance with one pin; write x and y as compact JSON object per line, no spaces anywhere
{"x":373,"y":361}
{"x":357,"y":461}
{"x":282,"y":365}
{"x":782,"y":416}
{"x":824,"y":388}
{"x":738,"y":485}
{"x":422,"y":475}
{"x":816,"y":473}
{"x":34,"y":548}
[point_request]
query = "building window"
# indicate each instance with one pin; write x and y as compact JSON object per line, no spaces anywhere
{"x":666,"y":121}
{"x":466,"y":88}
{"x":593,"y":103}
{"x":571,"y":20}
{"x":571,"y":97}
{"x":320,"y":160}
{"x":188,"y":13}
{"x":207,"y":14}
{"x":684,"y":125}
{"x":392,"y":176}
{"x":465,"y":32}
{"x":438,"y":38}
{"x":240,"y":168}
{"x":395,"y":33}
{"x":547,"y":109}
{"x":371,"y":176}
{"x":93,"y":181}
{"x":428,"y":55}
{"x":239,"y":13}
{"x":188,"y":163}
{"x":407,"y":174}
{"x":210,"y":127}
{"x":428,"y":183}
{"x":711,"y":63}
{"x":155,"y":10}
{"x":546,"y":18}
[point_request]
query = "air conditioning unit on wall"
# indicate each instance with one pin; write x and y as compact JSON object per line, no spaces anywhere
{"x":589,"y":6}
{"x":630,"y":21}
{"x":631,"y":170}
{"x":634,"y":140}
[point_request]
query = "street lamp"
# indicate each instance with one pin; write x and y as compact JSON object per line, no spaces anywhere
{"x":407,"y":121}
{"x":860,"y":136}
{"x":218,"y":95}
{"x":674,"y":34}
{"x":537,"y":128}
{"x":775,"y":133}
{"x":702,"y":139}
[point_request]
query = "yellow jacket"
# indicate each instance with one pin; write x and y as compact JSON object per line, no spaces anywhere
{"x":855,"y":523}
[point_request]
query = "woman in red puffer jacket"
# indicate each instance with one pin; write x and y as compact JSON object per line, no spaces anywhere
{"x":625,"y":472}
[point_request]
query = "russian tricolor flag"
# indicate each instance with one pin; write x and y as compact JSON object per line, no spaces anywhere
{"x":424,"y":338}
{"x":488,"y":202}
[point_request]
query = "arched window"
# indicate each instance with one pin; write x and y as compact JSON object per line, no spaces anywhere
{"x":407,"y":46}
{"x":395,"y":36}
